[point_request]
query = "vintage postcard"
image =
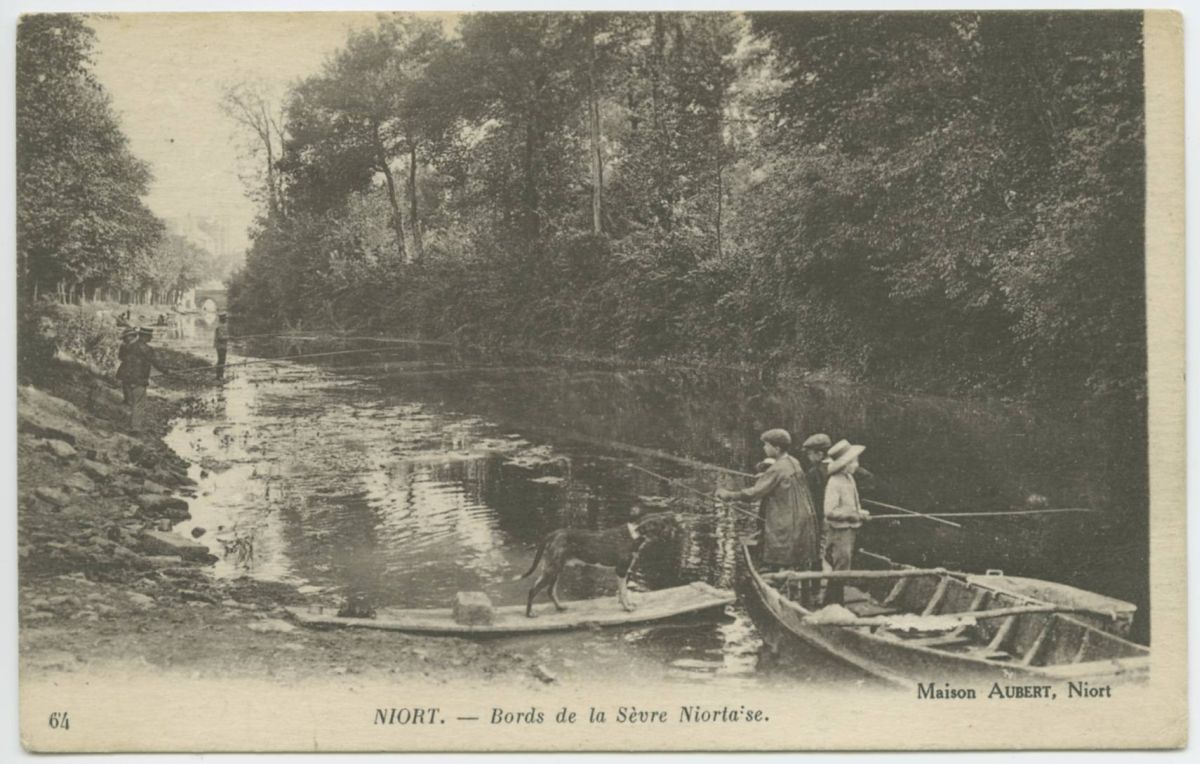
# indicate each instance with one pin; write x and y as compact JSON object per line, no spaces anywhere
{"x":573,"y":381}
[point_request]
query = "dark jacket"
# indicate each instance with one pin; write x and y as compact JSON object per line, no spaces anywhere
{"x":815,"y":476}
{"x":791,"y":535}
{"x":136,"y":361}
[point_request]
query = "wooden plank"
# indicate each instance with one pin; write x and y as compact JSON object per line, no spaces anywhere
{"x":938,"y":595}
{"x":979,"y":615}
{"x":1032,"y":653}
{"x":1083,"y":646}
{"x":897,"y":590}
{"x":946,"y":640}
{"x":580,"y":614}
{"x":809,"y":575}
{"x":1002,"y":634}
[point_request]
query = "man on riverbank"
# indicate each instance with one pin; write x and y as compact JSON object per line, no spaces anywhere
{"x":221,"y":343}
{"x":137,"y":359}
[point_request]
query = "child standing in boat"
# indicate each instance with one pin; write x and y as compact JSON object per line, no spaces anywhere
{"x":844,"y":514}
{"x":790,"y":537}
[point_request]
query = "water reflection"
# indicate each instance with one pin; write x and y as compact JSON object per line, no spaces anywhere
{"x":409,"y":475}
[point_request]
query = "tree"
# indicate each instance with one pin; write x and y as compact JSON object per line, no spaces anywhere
{"x":362,"y":113}
{"x":80,"y":217}
{"x":251,"y":106}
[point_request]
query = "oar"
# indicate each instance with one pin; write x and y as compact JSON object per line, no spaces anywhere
{"x":812,"y":575}
{"x":1004,"y":513}
{"x":932,"y":518}
{"x":911,"y":622}
{"x":680,"y":483}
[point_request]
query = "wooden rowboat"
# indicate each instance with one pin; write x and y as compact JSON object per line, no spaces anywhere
{"x":911,"y":627}
{"x":511,"y":620}
{"x":1108,"y":613}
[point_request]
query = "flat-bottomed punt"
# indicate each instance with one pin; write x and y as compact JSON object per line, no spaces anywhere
{"x":657,"y":605}
{"x":909,"y":626}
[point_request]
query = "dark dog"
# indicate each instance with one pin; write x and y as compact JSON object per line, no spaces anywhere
{"x":615,"y":548}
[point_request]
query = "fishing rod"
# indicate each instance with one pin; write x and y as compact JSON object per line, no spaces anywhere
{"x":282,"y":335}
{"x":1003,"y":513}
{"x":344,"y":338}
{"x":726,"y":470}
{"x":272,"y":360}
{"x":934,"y":518}
{"x":680,"y":483}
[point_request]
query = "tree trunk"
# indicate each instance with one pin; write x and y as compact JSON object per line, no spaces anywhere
{"x":660,"y":140}
{"x":720,"y":155}
{"x":414,"y":221}
{"x":530,"y":216}
{"x":397,"y":221}
{"x":272,"y":197}
{"x":594,"y":134}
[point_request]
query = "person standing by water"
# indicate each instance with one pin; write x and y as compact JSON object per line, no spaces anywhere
{"x":221,"y":343}
{"x":790,"y":536}
{"x":137,"y":359}
{"x":844,"y":514}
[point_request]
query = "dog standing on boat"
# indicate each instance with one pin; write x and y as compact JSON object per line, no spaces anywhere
{"x":614,"y":547}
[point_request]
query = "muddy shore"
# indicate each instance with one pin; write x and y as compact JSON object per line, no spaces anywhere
{"x":105,"y":587}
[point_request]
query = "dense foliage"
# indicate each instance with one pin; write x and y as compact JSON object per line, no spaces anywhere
{"x":939,"y":200}
{"x":82,"y":228}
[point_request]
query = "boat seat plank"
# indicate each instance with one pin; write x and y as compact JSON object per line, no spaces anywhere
{"x":868,"y":608}
{"x":580,"y":614}
{"x":946,"y":640}
{"x":852,"y":595}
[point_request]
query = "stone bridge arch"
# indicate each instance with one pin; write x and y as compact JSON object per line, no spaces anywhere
{"x":213,"y":300}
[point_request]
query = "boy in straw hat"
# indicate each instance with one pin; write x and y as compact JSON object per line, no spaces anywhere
{"x":844,"y":514}
{"x":789,"y":522}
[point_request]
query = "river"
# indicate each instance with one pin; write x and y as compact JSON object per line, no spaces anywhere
{"x":406,"y":473}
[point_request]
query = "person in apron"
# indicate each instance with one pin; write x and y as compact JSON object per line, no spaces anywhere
{"x":790,"y":536}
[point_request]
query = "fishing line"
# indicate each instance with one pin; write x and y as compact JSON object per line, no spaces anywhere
{"x":274,"y":360}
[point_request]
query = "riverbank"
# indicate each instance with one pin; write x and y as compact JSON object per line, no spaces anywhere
{"x":103,"y":588}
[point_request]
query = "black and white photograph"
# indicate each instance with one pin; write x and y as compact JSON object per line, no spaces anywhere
{"x":643,"y":380}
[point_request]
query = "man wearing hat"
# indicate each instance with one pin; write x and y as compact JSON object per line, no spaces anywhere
{"x":221,"y":343}
{"x":844,"y":514}
{"x":137,"y":359}
{"x":790,"y":533}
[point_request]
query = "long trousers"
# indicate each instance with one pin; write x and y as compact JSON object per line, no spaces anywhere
{"x":840,"y":553}
{"x":135,"y":398}
{"x":221,"y":363}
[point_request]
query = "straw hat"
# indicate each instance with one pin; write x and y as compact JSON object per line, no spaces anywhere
{"x":144,"y":332}
{"x":129,"y":332}
{"x":841,"y":454}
